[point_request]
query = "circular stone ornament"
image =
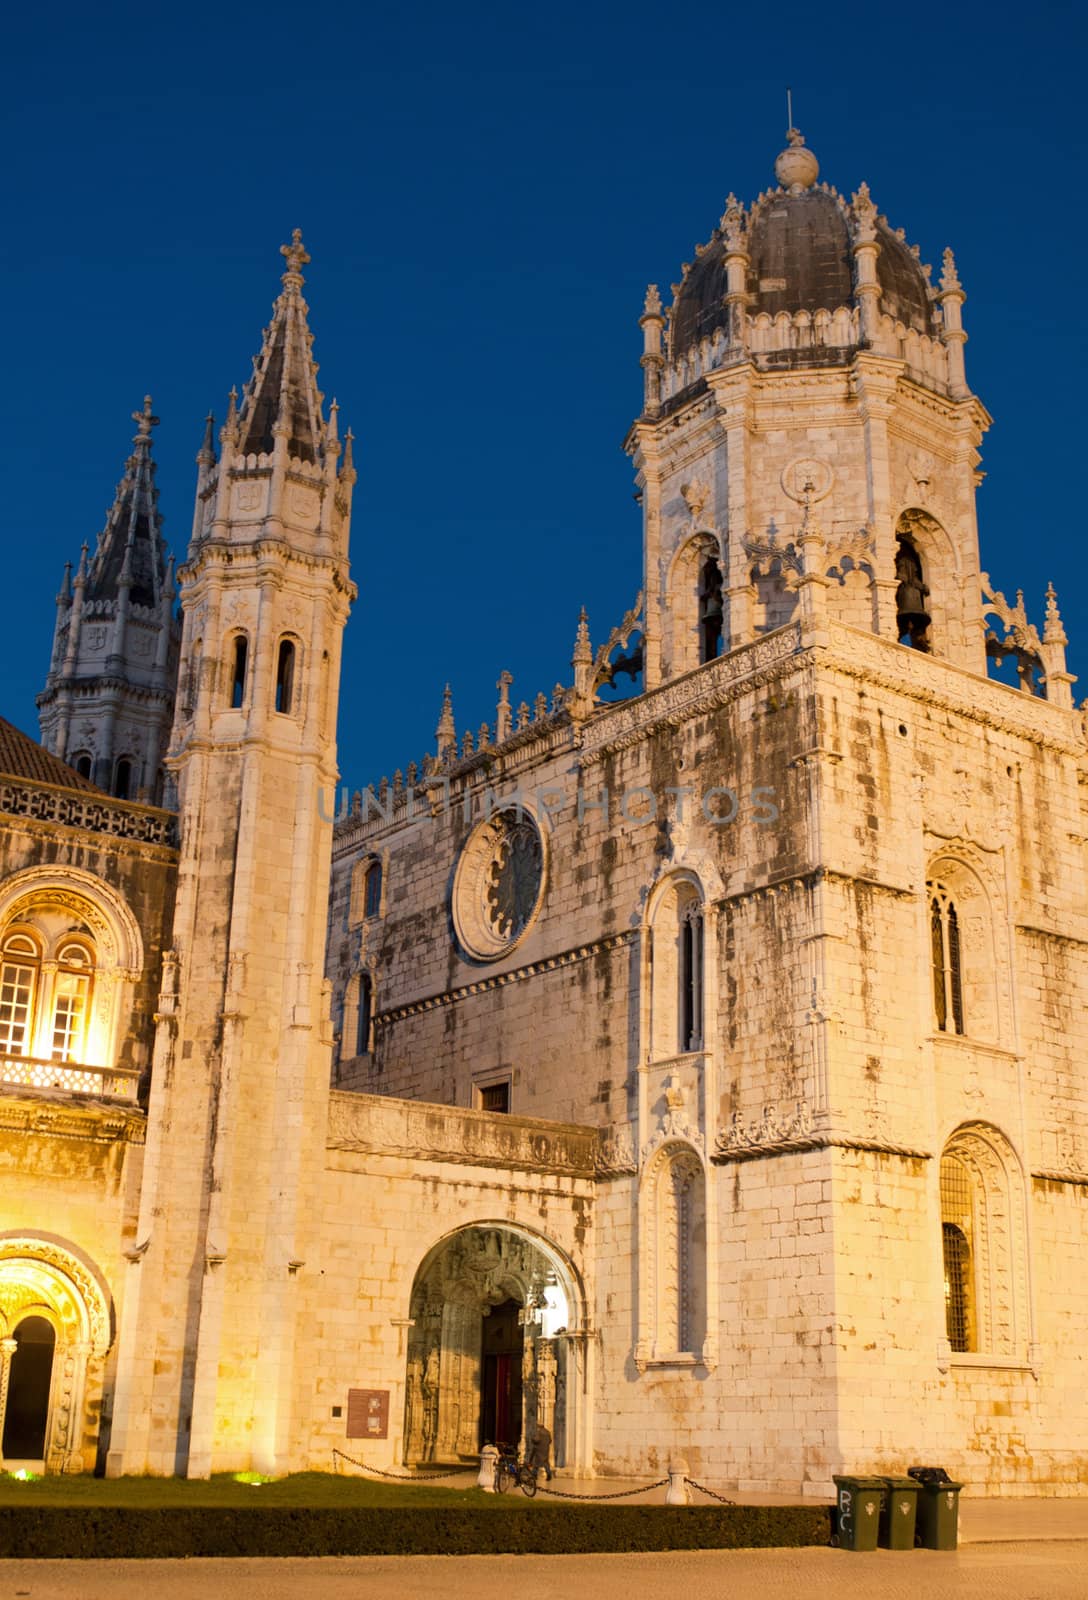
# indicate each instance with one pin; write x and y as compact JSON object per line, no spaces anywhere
{"x":498,"y":885}
{"x":805,"y":470}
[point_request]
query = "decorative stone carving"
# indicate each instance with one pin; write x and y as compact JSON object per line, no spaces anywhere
{"x":807,"y":479}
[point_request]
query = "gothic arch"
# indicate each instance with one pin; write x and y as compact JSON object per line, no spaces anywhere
{"x":993,"y":1221}
{"x":681,"y":619}
{"x":47,"y":1277}
{"x":477,"y":1269}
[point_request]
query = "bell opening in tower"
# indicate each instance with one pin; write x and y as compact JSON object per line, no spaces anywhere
{"x":912,"y":618}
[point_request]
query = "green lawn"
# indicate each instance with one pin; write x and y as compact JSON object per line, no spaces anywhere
{"x":323,"y":1489}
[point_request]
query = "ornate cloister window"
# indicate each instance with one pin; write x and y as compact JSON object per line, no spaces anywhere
{"x":983,"y":1245}
{"x":69,"y":952}
{"x":947,"y":959}
{"x":45,"y":995}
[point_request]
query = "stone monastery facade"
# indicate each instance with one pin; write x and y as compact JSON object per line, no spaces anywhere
{"x":697,"y":1073}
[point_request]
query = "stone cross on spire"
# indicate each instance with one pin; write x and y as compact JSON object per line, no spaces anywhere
{"x":296,"y":256}
{"x":144,"y":420}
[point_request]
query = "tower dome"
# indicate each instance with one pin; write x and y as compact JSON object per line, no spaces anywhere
{"x":799,"y":242}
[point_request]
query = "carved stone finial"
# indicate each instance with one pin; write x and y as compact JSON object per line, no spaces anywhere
{"x":950,"y":278}
{"x":652,"y":304}
{"x":296,"y":256}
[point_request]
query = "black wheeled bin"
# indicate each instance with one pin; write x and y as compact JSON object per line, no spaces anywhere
{"x":938,"y":1508}
{"x":857,"y":1503}
{"x":898,"y":1513}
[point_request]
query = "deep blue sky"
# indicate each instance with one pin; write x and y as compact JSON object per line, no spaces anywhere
{"x":486,"y":191}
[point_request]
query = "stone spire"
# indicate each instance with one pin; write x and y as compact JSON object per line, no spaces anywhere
{"x":131,"y":547}
{"x":282,"y":396}
{"x":108,"y":700}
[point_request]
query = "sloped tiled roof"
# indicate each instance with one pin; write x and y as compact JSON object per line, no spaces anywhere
{"x":23,"y":757}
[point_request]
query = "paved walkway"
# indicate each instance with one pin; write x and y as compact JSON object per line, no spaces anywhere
{"x":1050,"y":1570}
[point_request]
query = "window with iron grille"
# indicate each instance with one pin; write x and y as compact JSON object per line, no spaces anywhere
{"x":957,"y":1222}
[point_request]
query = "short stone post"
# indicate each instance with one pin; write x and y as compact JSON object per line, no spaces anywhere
{"x":489,"y":1460}
{"x":677,"y":1492}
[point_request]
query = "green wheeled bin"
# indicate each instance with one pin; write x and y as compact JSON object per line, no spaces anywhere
{"x":938,"y":1508}
{"x":857,"y":1504}
{"x":898,"y":1513}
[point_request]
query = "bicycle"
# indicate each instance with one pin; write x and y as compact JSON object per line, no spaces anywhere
{"x":511,"y":1473}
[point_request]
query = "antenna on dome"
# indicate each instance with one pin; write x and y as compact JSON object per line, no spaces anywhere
{"x":789,"y":107}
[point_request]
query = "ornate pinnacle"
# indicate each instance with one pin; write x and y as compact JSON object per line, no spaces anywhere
{"x":446,"y":731}
{"x":1053,"y":632}
{"x":296,"y":256}
{"x":206,"y":453}
{"x":652,"y":305}
{"x":332,"y":433}
{"x":145,"y":422}
{"x":950,"y":278}
{"x":583,"y":653}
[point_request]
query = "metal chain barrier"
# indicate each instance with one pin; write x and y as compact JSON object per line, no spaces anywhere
{"x":403,"y":1477}
{"x":620,"y":1494}
{"x":713,"y":1493}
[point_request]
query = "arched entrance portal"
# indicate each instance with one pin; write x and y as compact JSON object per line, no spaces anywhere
{"x":490,"y":1357}
{"x":27,"y":1412}
{"x":55,"y":1329}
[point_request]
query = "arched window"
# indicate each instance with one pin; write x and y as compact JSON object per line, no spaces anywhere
{"x":285,"y":677}
{"x":44,"y":1019}
{"x":82,"y":764}
{"x":947,"y":962}
{"x":71,"y":1003}
{"x":677,"y":961}
{"x":911,"y":596}
{"x":19,"y":974}
{"x":372,"y":897}
{"x":983,"y":1244}
{"x":239,"y":659}
{"x":122,"y":779}
{"x":710,"y":610}
{"x":690,"y":997}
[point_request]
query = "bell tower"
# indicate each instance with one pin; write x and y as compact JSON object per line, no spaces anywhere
{"x":237,"y":1118}
{"x":808,"y":376}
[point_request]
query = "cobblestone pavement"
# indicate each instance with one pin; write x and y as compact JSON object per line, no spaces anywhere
{"x":1051,"y":1570}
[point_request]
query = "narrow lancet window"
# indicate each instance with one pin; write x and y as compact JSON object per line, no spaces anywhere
{"x":285,"y":677}
{"x":362,"y":1021}
{"x":691,"y":979}
{"x":944,"y":936}
{"x":238,"y":675}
